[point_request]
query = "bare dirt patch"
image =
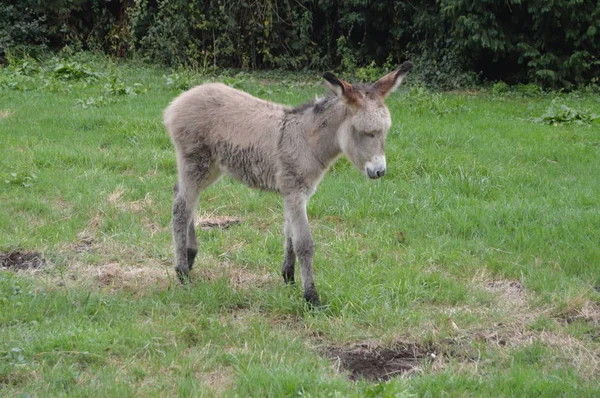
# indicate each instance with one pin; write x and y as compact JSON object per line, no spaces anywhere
{"x":21,"y":260}
{"x":375,"y":363}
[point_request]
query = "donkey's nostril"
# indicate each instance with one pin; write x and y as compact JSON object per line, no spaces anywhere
{"x":380,"y":173}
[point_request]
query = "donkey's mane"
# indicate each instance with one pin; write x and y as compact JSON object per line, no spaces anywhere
{"x":321,"y":104}
{"x":318,"y":105}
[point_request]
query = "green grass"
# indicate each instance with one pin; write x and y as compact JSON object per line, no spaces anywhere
{"x":476,"y":192}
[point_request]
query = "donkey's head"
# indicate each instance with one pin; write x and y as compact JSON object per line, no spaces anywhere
{"x":362,"y":135}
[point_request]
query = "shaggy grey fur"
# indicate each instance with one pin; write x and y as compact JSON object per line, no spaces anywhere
{"x":218,"y":130}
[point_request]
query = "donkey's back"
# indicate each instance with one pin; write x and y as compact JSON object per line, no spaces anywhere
{"x":216,"y":112}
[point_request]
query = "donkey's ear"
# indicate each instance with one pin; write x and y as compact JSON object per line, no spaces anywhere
{"x":390,"y":82}
{"x":342,"y":89}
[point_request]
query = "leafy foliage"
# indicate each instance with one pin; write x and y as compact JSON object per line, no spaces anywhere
{"x":559,"y":113}
{"x":73,"y":71}
{"x":20,"y":29}
{"x":551,"y":43}
{"x":93,"y":102}
{"x":116,"y":86}
{"x":179,"y":81}
{"x":454,"y":43}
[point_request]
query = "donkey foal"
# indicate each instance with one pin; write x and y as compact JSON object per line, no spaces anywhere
{"x":219,"y":130}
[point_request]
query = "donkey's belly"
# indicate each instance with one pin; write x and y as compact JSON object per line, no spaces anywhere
{"x":247,"y":164}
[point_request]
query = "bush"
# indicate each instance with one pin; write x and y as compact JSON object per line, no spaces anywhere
{"x":453,"y":43}
{"x":20,"y":30}
{"x":500,"y":88}
{"x":552,"y":44}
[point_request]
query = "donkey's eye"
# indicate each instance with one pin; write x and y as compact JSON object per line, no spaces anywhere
{"x":371,"y":133}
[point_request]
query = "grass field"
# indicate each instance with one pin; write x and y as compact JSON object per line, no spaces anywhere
{"x":471,"y":269}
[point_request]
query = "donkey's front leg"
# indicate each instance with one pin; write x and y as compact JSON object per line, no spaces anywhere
{"x":289,"y":261}
{"x":302,"y":241}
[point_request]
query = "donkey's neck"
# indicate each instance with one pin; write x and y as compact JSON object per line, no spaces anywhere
{"x":328,"y":116}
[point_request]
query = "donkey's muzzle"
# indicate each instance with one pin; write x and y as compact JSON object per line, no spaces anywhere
{"x":376,"y":167}
{"x":375,"y":174}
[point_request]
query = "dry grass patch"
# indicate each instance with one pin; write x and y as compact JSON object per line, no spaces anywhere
{"x":585,"y":359}
{"x":4,"y":113}
{"x":135,"y":279}
{"x":512,"y":328}
{"x":511,"y":293}
{"x":210,"y":221}
{"x":240,"y":277}
{"x":91,"y":264}
{"x":115,"y":199}
{"x":219,"y":380}
{"x":127,"y":268}
{"x":579,"y":308}
{"x":589,"y":312}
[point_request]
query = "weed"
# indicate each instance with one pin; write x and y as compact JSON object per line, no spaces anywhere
{"x":423,"y":100}
{"x":500,"y":88}
{"x":237,"y":81}
{"x":24,"y":179}
{"x":178,"y":81}
{"x":369,"y":73}
{"x":559,"y":113}
{"x":116,"y":87}
{"x":93,"y":102}
{"x":529,"y":90}
{"x":14,"y":356}
{"x":72,"y":70}
{"x":24,"y":66}
{"x":16,"y":82}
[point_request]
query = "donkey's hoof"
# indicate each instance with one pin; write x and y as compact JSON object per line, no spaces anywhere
{"x":313,"y":299}
{"x":183,"y":276}
{"x":321,"y":308}
{"x":187,"y":283}
{"x":289,"y":279}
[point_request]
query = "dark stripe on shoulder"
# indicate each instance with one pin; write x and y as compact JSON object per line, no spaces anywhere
{"x":300,"y":108}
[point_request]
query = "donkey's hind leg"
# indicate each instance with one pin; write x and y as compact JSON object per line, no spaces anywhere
{"x":192,"y":243}
{"x":196,"y":173}
{"x":183,"y":206}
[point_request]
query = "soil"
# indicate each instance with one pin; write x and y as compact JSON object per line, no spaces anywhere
{"x":19,"y":260}
{"x":377,"y":363}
